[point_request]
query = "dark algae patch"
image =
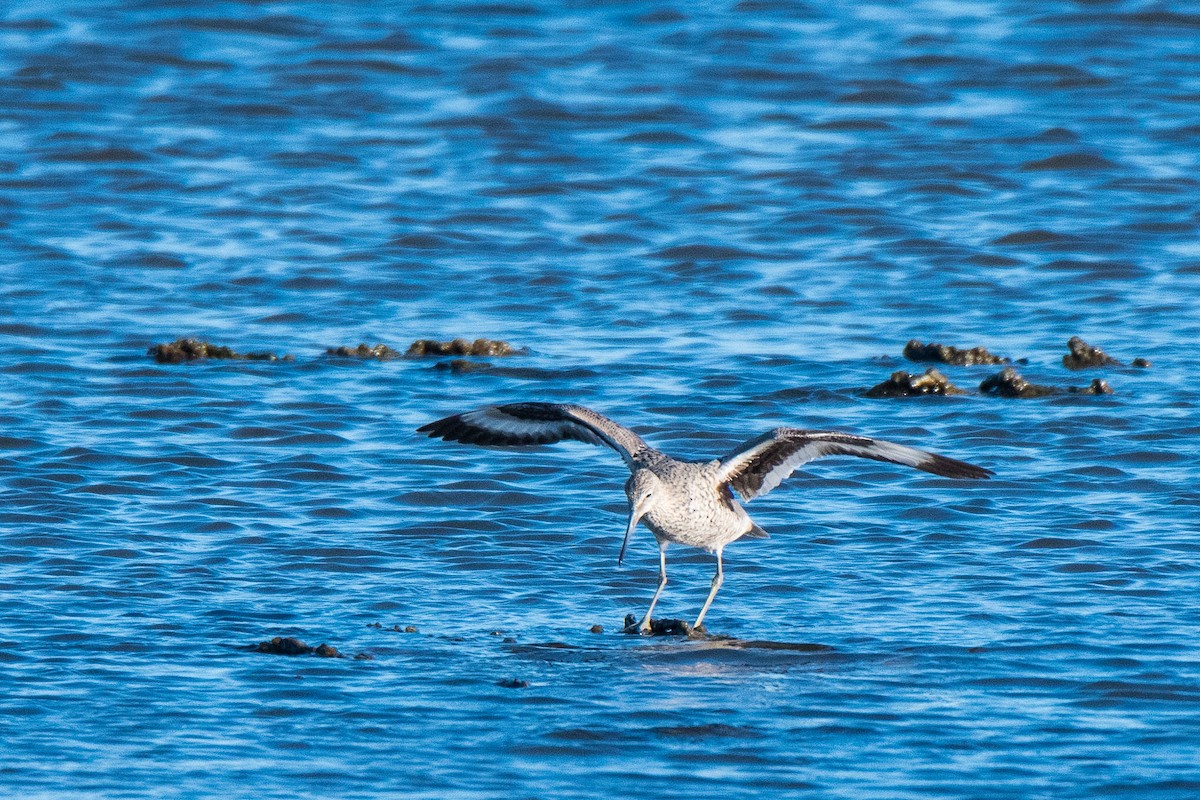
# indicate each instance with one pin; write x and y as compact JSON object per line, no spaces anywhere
{"x":905,"y":384}
{"x":1097,"y":386}
{"x":290,"y":646}
{"x":380,"y":352}
{"x":394,"y":628}
{"x":462,"y":347}
{"x":1009,"y":383}
{"x":1085,"y":356}
{"x":192,"y":349}
{"x":946,"y":354}
{"x":188,"y":349}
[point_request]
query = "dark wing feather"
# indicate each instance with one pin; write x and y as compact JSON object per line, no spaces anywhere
{"x":525,"y":424}
{"x":758,"y":466}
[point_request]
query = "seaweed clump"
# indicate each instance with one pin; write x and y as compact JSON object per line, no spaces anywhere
{"x":380,"y":352}
{"x":1084,"y":355}
{"x":461,"y":347}
{"x":945,"y":354}
{"x":905,"y":384}
{"x":289,"y":646}
{"x":189,"y":349}
{"x":1009,"y":383}
{"x":1097,"y":386}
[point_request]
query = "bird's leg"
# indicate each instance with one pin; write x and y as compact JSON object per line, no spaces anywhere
{"x":717,"y":580}
{"x":644,"y":625}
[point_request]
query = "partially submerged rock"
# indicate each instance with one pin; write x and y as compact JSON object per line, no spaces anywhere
{"x":189,"y":349}
{"x":1097,"y":386}
{"x":905,"y":384}
{"x":1009,"y":383}
{"x":1084,"y":355}
{"x":945,"y":354}
{"x":394,"y":628}
{"x":284,"y":646}
{"x":380,"y":352}
{"x":665,"y":627}
{"x":461,"y":347}
{"x":289,"y":646}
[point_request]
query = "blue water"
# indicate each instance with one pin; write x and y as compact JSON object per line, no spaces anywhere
{"x":704,"y":222}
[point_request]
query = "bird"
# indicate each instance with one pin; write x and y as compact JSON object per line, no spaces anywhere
{"x":689,"y":503}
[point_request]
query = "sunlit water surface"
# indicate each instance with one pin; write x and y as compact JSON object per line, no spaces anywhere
{"x":703,"y":222}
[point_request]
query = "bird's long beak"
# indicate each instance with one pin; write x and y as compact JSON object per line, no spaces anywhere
{"x":635,"y":514}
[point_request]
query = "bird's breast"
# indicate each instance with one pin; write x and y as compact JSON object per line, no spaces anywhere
{"x":699,"y":517}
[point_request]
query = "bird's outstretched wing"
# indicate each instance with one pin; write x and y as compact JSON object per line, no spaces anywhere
{"x":761,"y":464}
{"x":523,"y":424}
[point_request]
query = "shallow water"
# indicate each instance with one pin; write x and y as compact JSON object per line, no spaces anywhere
{"x":702,"y":222}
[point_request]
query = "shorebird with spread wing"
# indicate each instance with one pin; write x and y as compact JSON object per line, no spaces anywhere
{"x":686,"y":502}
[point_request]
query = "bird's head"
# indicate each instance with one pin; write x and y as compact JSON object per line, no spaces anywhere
{"x":643,"y":489}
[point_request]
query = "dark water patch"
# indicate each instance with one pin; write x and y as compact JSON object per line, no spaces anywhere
{"x":1044,"y":76}
{"x":152,"y":260}
{"x":1094,"y":524}
{"x":250,"y":111}
{"x":610,"y":240}
{"x":657,"y":138}
{"x":255,"y":432}
{"x":945,"y":189}
{"x":17,"y":443}
{"x":714,"y":730}
{"x":395,"y":42}
{"x":1148,"y":691}
{"x":101,"y":155}
{"x":312,"y":160}
{"x":281,"y":25}
{"x":703,"y":252}
{"x":1149,"y":457}
{"x":1069,"y":162}
{"x":1056,"y":543}
{"x":890,"y":92}
{"x":28,"y":25}
{"x":311,"y":476}
{"x":24,"y":329}
{"x":1033,"y":238}
{"x":1161,"y":17}
{"x":119,"y":553}
{"x":1082,"y":568}
{"x":1098,"y":270}
{"x":115,"y":489}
